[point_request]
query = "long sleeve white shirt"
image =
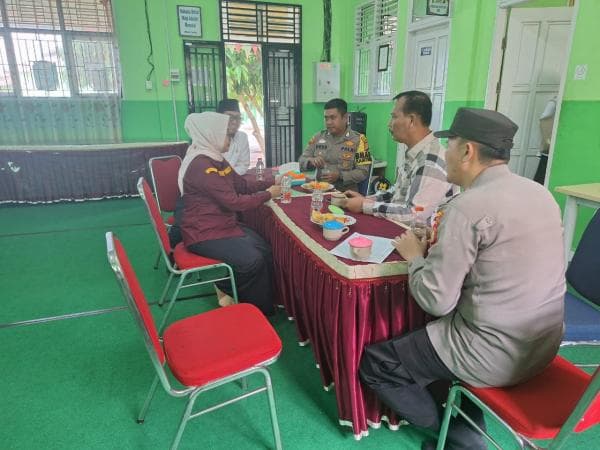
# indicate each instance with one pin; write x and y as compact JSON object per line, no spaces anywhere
{"x":238,"y":155}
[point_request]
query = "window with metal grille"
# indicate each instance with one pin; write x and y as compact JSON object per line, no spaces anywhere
{"x":260,"y":22}
{"x":57,"y":48}
{"x":374,"y":44}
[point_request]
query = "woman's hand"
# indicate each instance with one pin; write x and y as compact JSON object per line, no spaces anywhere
{"x":274,"y":190}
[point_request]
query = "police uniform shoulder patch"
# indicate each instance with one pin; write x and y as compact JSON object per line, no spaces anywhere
{"x":226,"y":171}
{"x":314,"y":139}
{"x":363,"y":156}
{"x":363,"y":143}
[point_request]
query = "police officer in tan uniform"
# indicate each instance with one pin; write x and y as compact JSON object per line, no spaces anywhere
{"x":340,"y":155}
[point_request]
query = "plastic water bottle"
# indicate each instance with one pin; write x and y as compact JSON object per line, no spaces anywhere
{"x":260,"y":170}
{"x":286,"y":189}
{"x":316,"y":200}
{"x":418,"y":223}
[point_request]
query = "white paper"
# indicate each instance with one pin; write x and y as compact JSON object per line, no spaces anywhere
{"x":382,"y":247}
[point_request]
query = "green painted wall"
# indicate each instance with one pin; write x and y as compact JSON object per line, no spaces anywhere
{"x":381,"y":144}
{"x":576,"y":158}
{"x":148,"y":114}
{"x":471,"y":35}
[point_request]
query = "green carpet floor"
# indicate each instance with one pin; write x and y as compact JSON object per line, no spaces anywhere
{"x":79,"y":383}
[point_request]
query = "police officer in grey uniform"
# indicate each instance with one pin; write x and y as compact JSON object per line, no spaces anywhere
{"x":494,"y":277}
{"x":340,"y":155}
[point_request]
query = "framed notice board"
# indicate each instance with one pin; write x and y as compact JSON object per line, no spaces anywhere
{"x":190,"y":21}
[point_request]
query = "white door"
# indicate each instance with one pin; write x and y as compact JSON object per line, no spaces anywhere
{"x":534,"y":62}
{"x":427,"y":63}
{"x":426,"y":67}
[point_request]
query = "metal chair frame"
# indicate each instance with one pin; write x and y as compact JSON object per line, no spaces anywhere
{"x":182,"y":273}
{"x":155,"y":188}
{"x":557,"y":442}
{"x":192,"y":392}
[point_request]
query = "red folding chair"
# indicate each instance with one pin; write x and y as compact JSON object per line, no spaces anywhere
{"x":183,"y":263}
{"x":560,"y":400}
{"x":164,"y":171}
{"x":204,"y":351}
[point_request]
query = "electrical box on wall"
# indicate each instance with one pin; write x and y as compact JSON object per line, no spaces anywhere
{"x":174,"y":75}
{"x":327,"y":81}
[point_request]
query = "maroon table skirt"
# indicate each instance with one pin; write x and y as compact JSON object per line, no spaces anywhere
{"x":337,"y":315}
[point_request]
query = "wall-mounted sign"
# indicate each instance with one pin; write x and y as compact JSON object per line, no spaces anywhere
{"x":425,"y":51}
{"x":438,"y":7}
{"x":190,"y":23}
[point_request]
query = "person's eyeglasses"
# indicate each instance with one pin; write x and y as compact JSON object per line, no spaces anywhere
{"x":236,"y":117}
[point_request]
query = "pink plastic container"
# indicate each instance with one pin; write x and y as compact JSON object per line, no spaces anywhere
{"x":360,"y":247}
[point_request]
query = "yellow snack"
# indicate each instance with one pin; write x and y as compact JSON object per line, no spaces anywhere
{"x":321,"y":185}
{"x":320,"y":217}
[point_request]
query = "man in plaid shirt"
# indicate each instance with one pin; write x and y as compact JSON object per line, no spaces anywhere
{"x":422,"y":182}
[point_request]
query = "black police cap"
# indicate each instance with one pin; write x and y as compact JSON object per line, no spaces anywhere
{"x":228,"y":104}
{"x":487,"y":127}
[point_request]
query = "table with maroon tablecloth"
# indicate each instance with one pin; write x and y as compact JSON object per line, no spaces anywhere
{"x":338,"y":305}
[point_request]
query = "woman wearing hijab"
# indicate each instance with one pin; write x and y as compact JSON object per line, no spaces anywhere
{"x":212,"y":195}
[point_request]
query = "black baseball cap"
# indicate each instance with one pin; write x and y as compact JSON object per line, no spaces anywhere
{"x":485,"y":126}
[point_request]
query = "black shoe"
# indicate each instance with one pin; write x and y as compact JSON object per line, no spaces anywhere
{"x":428,"y":445}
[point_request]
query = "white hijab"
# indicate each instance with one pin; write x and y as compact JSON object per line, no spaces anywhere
{"x":208,"y":131}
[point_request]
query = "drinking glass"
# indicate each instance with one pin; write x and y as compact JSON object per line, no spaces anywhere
{"x":286,"y":189}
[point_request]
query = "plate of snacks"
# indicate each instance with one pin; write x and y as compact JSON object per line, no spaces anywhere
{"x":320,"y":185}
{"x":320,"y":218}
